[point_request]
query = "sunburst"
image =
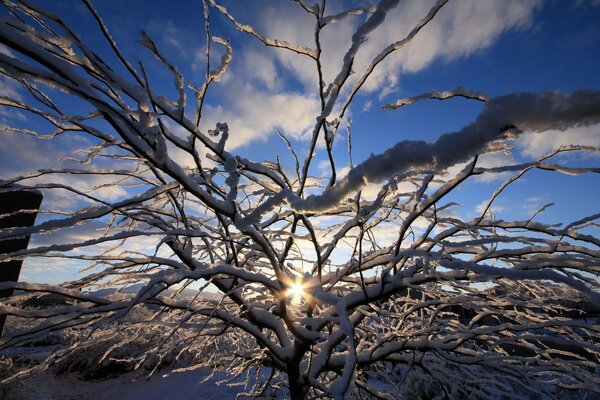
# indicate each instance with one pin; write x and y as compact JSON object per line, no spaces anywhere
{"x":296,"y":291}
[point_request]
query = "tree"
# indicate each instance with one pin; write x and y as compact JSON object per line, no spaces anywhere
{"x":310,"y":287}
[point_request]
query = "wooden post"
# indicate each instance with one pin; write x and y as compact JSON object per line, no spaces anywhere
{"x":24,"y":204}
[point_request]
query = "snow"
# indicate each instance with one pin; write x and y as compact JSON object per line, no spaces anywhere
{"x":349,"y":327}
{"x":523,"y":111}
{"x":175,"y":386}
{"x":514,"y":113}
{"x":267,"y":41}
{"x":183,"y":384}
{"x":434,"y":94}
{"x":332,"y":19}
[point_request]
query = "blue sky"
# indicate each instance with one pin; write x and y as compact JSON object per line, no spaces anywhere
{"x":490,"y":46}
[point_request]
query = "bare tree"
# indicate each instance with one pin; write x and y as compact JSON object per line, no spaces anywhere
{"x":310,"y":288}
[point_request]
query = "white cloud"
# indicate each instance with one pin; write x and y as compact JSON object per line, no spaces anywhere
{"x":261,"y":91}
{"x":32,"y":154}
{"x":262,"y":69}
{"x":293,"y":25}
{"x":486,"y":160}
{"x":494,"y":209}
{"x":494,"y":160}
{"x":9,"y":87}
{"x":6,"y":51}
{"x":50,"y":270}
{"x":459,"y":29}
{"x":35,"y":154}
{"x":74,"y":234}
{"x":538,"y":144}
{"x":253,"y":114}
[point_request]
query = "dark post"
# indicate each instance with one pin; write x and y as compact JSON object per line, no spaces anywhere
{"x":24,"y":204}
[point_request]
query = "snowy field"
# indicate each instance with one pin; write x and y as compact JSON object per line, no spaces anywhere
{"x":186,"y":385}
{"x":50,"y":385}
{"x":176,"y":386}
{"x":79,"y":376}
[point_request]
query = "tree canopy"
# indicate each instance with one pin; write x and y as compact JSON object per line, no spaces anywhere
{"x":328,"y":278}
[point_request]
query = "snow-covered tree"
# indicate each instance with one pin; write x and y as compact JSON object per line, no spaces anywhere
{"x":333,"y":286}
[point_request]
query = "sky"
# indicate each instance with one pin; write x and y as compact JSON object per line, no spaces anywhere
{"x":489,"y":46}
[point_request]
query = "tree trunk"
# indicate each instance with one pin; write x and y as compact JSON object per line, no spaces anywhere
{"x":296,"y":384}
{"x":297,"y":389}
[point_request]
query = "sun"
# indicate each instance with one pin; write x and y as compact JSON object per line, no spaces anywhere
{"x":296,"y":292}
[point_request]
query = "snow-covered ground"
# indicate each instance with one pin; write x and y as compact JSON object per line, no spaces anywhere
{"x":176,"y":386}
{"x":196,"y":383}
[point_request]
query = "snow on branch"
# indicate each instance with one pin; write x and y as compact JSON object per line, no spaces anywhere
{"x":334,"y":289}
{"x":434,"y":94}
{"x":514,"y":112}
{"x":332,"y":19}
{"x":265,"y":40}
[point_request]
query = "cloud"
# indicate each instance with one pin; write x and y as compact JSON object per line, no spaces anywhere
{"x":292,"y":24}
{"x":494,"y":160}
{"x":485,"y":160}
{"x":262,"y":69}
{"x":35,"y":154}
{"x":538,"y":144}
{"x":9,"y":87}
{"x":59,"y":269}
{"x":32,"y":153}
{"x":253,"y":114}
{"x":267,"y":88}
{"x":261,"y":90}
{"x":494,"y":209}
{"x":50,"y":270}
{"x":460,"y":29}
{"x":6,"y":51}
{"x":74,"y":234}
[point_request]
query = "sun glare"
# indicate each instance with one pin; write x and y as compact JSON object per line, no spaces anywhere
{"x":296,"y":292}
